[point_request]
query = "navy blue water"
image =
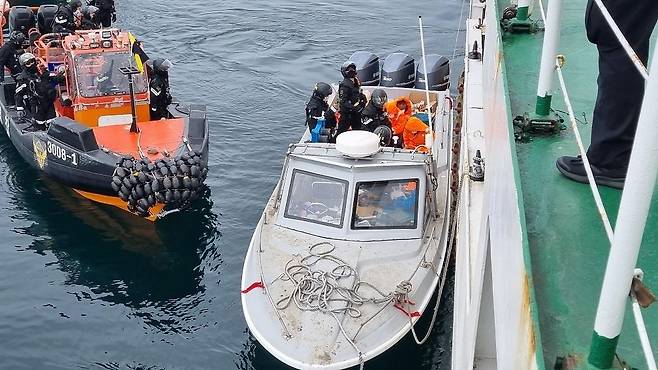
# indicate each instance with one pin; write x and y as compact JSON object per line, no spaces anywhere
{"x":86,"y":286}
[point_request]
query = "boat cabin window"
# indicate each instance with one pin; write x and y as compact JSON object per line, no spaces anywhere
{"x":98,"y":74}
{"x":316,"y":198}
{"x":391,"y":204}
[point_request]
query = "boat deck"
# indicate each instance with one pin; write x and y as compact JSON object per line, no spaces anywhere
{"x":567,"y":241}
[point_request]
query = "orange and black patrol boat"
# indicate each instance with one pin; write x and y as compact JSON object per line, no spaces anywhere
{"x":103,"y":143}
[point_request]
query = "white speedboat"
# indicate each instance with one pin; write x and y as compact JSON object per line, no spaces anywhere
{"x":351,"y":245}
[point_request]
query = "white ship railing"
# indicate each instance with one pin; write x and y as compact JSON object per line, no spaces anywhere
{"x":639,"y":186}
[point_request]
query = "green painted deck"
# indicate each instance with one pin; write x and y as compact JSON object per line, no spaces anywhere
{"x":567,"y":242}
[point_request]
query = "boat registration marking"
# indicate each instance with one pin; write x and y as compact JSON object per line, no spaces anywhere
{"x":60,"y":153}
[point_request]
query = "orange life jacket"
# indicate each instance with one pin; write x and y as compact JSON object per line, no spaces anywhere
{"x":414,"y":134}
{"x":398,"y":117}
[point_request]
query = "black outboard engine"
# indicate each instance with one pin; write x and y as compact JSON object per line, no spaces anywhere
{"x":438,"y":72}
{"x":45,"y":17}
{"x":367,"y":67}
{"x":21,"y":18}
{"x":398,"y":70}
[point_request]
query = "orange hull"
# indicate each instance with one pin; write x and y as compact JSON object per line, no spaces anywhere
{"x":117,"y":202}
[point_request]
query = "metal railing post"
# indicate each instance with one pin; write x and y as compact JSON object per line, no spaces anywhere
{"x":633,"y":211}
{"x":549,"y":52}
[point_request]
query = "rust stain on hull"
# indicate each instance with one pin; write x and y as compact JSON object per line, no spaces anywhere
{"x":526,"y":327}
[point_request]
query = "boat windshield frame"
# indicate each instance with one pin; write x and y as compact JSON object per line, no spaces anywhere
{"x":340,"y":169}
{"x":396,"y":197}
{"x":87,"y":84}
{"x":321,"y":207}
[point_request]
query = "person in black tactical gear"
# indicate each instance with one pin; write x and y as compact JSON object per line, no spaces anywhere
{"x":106,"y":12}
{"x":620,"y":91}
{"x":89,"y":18}
{"x":317,"y":106}
{"x":374,"y":115}
{"x":64,"y":21}
{"x":350,"y":98}
{"x":159,"y":89}
{"x":35,"y":93}
{"x":8,"y":54}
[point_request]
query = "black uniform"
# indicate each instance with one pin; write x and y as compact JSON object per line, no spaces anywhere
{"x":64,"y":21}
{"x":8,"y":59}
{"x":352,"y":103}
{"x":373,"y":117}
{"x":315,"y":108}
{"x":620,"y":85}
{"x":106,"y":12}
{"x":89,"y":23}
{"x":160,"y":95}
{"x":36,"y":95}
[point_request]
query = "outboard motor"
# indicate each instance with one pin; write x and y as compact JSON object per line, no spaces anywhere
{"x":398,"y":70}
{"x":21,"y":18}
{"x":367,"y":67}
{"x":438,"y":72}
{"x":45,"y":17}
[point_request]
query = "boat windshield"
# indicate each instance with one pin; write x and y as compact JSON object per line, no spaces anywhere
{"x":98,"y":74}
{"x":391,"y":204}
{"x":316,"y":198}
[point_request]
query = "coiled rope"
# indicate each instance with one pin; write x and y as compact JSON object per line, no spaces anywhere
{"x":321,"y":290}
{"x":317,"y":289}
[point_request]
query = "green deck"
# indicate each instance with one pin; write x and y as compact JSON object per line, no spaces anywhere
{"x":568,"y":245}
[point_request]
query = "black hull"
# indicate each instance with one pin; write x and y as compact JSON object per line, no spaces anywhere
{"x":68,"y":153}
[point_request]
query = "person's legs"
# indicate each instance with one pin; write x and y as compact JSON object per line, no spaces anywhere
{"x":355,"y":121}
{"x":343,"y":123}
{"x":617,"y":109}
{"x":105,"y":19}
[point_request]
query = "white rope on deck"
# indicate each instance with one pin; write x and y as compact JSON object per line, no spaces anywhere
{"x":583,"y":155}
{"x":642,"y":333}
{"x":637,"y":314}
{"x":541,"y":9}
{"x":622,"y":39}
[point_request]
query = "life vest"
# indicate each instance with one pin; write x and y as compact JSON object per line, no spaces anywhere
{"x":414,"y":134}
{"x":398,"y":117}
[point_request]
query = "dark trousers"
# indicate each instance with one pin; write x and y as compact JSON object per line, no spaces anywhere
{"x":620,"y":85}
{"x":617,"y":109}
{"x":105,"y":18}
{"x":348,"y":120}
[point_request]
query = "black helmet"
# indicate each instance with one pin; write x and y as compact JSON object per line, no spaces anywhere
{"x":348,"y":70}
{"x":385,"y":134}
{"x":322,"y":90}
{"x":161,"y":65}
{"x":26,"y":60}
{"x":89,"y":11}
{"x":379,"y":98}
{"x":75,"y":4}
{"x":17,"y":37}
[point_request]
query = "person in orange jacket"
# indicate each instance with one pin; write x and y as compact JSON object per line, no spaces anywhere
{"x":399,"y":110}
{"x":414,"y":134}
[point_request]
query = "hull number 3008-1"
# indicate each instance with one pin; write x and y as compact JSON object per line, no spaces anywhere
{"x":60,"y":153}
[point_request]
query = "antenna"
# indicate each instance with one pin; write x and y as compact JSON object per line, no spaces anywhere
{"x":130,"y":71}
{"x":427,"y":87}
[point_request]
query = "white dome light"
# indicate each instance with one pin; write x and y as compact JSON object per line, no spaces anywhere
{"x":357,"y":143}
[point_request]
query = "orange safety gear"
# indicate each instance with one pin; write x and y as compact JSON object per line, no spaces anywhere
{"x":398,"y":117}
{"x":414,"y":134}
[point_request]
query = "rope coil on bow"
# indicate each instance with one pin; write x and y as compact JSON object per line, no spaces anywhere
{"x":321,"y":290}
